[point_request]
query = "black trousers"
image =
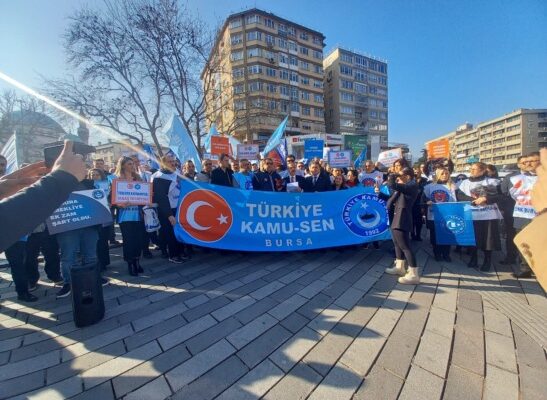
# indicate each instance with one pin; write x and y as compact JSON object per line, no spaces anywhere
{"x":15,"y":255}
{"x":510,"y":233}
{"x":438,"y":249}
{"x":47,"y":244}
{"x":168,"y":239}
{"x":401,"y":240}
{"x":417,"y":222}
{"x":132,"y":239}
{"x":103,"y":250}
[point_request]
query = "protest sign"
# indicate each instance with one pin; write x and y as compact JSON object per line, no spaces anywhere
{"x":220,"y":144}
{"x":82,"y":209}
{"x":228,"y":218}
{"x":248,"y":151}
{"x":388,"y":157}
{"x":438,"y":149}
{"x":134,"y":193}
{"x":454,"y":224}
{"x":313,"y":148}
{"x":340,"y":159}
{"x":356,"y":143}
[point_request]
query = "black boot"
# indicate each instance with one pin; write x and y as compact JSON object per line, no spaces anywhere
{"x":487,"y":264}
{"x":131,"y":267}
{"x":473,"y":263}
{"x":138,"y":266}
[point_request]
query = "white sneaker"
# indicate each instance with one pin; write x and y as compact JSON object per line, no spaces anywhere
{"x":398,"y":269}
{"x":411,"y":277}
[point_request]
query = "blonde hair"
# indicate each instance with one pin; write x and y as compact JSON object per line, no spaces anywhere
{"x":437,"y":173}
{"x":119,"y":168}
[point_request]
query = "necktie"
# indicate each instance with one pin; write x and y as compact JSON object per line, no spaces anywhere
{"x":314,"y":180}
{"x":292,"y":179}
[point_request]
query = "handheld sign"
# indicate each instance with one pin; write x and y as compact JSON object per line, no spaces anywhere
{"x":313,"y":148}
{"x":388,"y":157}
{"x":248,"y":151}
{"x":340,"y":159}
{"x":438,"y":149}
{"x":220,"y":144}
{"x":82,"y":209}
{"x":135,"y":193}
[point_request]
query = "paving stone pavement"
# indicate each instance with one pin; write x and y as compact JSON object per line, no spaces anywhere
{"x":318,"y":325}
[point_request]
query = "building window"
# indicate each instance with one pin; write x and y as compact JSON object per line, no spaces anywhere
{"x":373,"y":78}
{"x":383,"y":115}
{"x":293,"y":76}
{"x":269,"y":23}
{"x":304,"y":50}
{"x":346,"y":109}
{"x":373,"y":90}
{"x":293,"y":61}
{"x":284,"y":74}
{"x":318,"y":112}
{"x":255,"y":87}
{"x":346,"y":84}
{"x":293,"y":46}
{"x":362,"y":100}
{"x":235,"y":23}
{"x":282,"y":42}
{"x":236,"y":56}
{"x":270,"y":87}
{"x":284,"y":90}
{"x":254,"y":52}
{"x":373,"y":114}
{"x":306,"y":126}
{"x":271,"y":72}
{"x":304,"y":65}
{"x":294,"y":93}
{"x":382,"y":80}
{"x":306,"y":110}
{"x":360,"y":75}
{"x":282,"y":29}
{"x":348,"y":123}
{"x":253,"y":19}
{"x":360,"y":88}
{"x":318,"y":98}
{"x":272,"y":105}
{"x":269,"y":39}
{"x":361,"y":61}
{"x":305,"y":95}
{"x":254,"y":35}
{"x":238,"y":89}
{"x":304,"y":80}
{"x":317,"y":40}
{"x":239,"y":105}
{"x":304,"y":36}
{"x":236,"y":38}
{"x":318,"y":69}
{"x":254,"y":69}
{"x":373,"y":65}
{"x":344,"y":96}
{"x":317,"y":84}
{"x":345,"y":70}
{"x":382,"y":68}
{"x":291,"y":31}
{"x":283,"y":58}
{"x":238,"y":72}
{"x":318,"y":54}
{"x":284,"y":106}
{"x":295,"y":107}
{"x":346,"y":58}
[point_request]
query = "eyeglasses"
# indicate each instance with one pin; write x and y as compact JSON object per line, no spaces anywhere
{"x":530,"y":162}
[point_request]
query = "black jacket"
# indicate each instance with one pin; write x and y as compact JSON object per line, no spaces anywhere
{"x":267,"y":182}
{"x":323,"y":184}
{"x":222,"y":178}
{"x":400,"y":203}
{"x":25,"y":210}
{"x":160,"y":195}
{"x":299,"y":179}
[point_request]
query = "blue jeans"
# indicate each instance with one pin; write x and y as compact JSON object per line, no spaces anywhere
{"x":82,"y":240}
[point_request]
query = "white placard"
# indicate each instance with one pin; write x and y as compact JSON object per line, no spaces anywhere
{"x":340,"y":159}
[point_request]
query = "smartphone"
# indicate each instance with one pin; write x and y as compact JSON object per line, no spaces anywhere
{"x":53,"y":151}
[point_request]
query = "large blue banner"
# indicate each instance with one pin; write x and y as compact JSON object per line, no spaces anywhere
{"x":234,"y":219}
{"x":454,"y":224}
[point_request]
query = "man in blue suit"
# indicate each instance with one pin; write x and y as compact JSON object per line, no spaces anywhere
{"x":317,"y":182}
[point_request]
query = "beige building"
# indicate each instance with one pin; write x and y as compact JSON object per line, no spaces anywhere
{"x":356,"y":98}
{"x":501,"y":140}
{"x":261,"y":69}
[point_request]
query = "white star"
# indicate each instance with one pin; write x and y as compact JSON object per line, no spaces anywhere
{"x":222,"y":219}
{"x":364,"y":205}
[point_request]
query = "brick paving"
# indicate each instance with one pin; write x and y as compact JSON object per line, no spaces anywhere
{"x":318,"y":325}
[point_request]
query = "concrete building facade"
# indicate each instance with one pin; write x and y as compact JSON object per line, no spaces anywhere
{"x":356,"y":94}
{"x":261,"y":69}
{"x":501,"y":140}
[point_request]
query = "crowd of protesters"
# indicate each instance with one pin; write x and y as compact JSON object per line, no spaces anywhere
{"x":412,"y":193}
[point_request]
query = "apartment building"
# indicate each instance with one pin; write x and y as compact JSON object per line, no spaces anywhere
{"x":356,"y":95}
{"x":501,"y":140}
{"x":261,"y":69}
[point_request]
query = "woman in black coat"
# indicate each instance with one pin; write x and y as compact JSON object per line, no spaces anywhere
{"x":404,"y":193}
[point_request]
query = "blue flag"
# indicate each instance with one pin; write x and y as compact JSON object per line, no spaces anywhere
{"x":180,"y":141}
{"x":249,"y":220}
{"x":454,"y":224}
{"x":276,"y":137}
{"x":207,"y":141}
{"x":362,"y":157}
{"x":152,"y":159}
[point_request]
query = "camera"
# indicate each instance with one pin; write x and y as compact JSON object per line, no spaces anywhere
{"x":53,"y":151}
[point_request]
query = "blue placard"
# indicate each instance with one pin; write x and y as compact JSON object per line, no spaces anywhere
{"x":82,"y":209}
{"x":454,"y":224}
{"x":234,"y":219}
{"x":313,"y":148}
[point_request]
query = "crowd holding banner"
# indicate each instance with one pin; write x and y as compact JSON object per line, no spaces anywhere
{"x":271,"y":202}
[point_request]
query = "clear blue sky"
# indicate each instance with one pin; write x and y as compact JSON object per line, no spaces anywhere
{"x":450,"y":62}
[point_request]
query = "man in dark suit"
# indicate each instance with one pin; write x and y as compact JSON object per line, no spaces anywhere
{"x":317,"y":182}
{"x":223,"y":175}
{"x":267,"y":180}
{"x":293,"y":177}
